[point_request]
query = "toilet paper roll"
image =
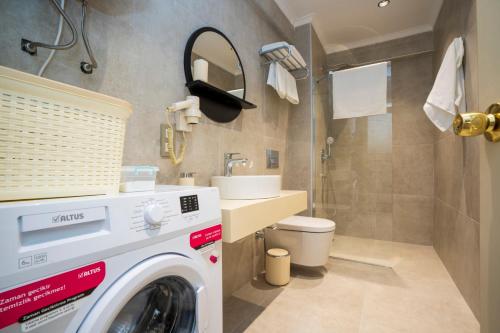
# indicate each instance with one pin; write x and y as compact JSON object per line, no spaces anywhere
{"x":200,"y":70}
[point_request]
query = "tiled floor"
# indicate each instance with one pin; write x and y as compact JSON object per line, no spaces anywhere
{"x":370,"y":251}
{"x":416,"y":295}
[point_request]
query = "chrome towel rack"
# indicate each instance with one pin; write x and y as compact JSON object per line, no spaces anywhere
{"x":283,"y":53}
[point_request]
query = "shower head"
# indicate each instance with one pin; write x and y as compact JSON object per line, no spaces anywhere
{"x":326,"y":155}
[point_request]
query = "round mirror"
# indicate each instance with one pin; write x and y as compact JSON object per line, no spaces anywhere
{"x":211,"y":57}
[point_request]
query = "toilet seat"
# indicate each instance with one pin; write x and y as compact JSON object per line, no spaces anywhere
{"x":306,"y":224}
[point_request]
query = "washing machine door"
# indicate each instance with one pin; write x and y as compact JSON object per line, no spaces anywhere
{"x":165,"y":293}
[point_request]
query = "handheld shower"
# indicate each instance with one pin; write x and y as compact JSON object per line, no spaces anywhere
{"x":328,"y":154}
{"x":329,"y":141}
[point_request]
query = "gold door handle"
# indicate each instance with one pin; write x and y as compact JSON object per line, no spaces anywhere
{"x":476,"y":123}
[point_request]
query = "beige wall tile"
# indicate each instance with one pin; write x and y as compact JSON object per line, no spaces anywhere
{"x":413,"y":169}
{"x":238,"y":264}
{"x":393,"y":48}
{"x":413,"y":217}
{"x":456,"y":183}
{"x":468,"y":270}
{"x":445,"y":235}
{"x":456,"y":160}
{"x":383,"y":226}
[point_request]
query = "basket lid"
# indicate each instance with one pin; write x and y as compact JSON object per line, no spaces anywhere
{"x":139,"y":170}
{"x":277,"y":252}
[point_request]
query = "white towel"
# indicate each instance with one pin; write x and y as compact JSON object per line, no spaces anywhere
{"x":448,"y":93}
{"x":276,"y":79}
{"x":360,"y":91}
{"x":283,"y":82}
{"x":291,"y":88}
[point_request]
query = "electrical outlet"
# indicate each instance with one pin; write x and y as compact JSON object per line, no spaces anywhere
{"x":164,"y":141}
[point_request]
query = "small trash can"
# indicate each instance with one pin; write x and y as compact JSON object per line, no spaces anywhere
{"x":277,"y":267}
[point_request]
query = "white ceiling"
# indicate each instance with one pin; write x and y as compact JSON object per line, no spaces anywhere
{"x":346,"y":24}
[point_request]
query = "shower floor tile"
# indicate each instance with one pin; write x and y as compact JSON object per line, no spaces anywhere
{"x":364,"y":250}
{"x":415,"y":295}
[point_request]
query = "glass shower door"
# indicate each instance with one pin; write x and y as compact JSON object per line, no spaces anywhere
{"x":353,"y":186}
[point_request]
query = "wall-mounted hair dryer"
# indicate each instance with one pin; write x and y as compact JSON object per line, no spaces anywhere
{"x":187,"y":113}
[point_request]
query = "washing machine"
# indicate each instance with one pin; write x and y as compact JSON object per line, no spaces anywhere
{"x":136,"y":262}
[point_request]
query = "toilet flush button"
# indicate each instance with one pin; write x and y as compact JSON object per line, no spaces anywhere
{"x":153,"y":214}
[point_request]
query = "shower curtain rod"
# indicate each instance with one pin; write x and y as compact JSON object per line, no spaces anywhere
{"x":347,"y":66}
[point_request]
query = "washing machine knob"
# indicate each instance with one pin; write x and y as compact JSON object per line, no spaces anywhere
{"x":153,"y":214}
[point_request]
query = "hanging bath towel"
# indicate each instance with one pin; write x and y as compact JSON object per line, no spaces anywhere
{"x":276,"y":79}
{"x":360,"y":91}
{"x":447,"y":96}
{"x":283,"y":82}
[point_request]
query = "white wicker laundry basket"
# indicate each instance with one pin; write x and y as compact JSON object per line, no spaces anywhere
{"x":58,"y":140}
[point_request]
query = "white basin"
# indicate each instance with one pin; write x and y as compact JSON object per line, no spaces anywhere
{"x":247,"y":187}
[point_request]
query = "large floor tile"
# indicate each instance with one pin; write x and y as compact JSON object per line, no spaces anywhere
{"x":416,"y":295}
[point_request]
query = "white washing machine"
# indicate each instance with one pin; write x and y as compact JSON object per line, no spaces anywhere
{"x":138,"y":262}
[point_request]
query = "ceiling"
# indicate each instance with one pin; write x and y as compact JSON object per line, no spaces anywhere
{"x":347,"y":24}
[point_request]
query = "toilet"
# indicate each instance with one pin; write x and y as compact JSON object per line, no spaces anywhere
{"x":308,"y":239}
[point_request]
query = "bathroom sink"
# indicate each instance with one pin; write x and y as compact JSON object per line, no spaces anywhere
{"x":247,"y":187}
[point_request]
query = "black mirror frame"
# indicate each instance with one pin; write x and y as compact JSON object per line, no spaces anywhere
{"x":215,"y":103}
{"x":189,"y":50}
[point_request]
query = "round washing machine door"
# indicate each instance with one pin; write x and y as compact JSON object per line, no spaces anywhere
{"x":165,"y":293}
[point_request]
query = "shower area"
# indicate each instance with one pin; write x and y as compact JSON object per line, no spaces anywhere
{"x":374,"y":175}
{"x":391,"y":182}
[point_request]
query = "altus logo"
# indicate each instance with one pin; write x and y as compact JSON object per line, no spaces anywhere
{"x":67,"y":217}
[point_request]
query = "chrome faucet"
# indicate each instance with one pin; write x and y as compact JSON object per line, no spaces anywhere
{"x":229,"y":161}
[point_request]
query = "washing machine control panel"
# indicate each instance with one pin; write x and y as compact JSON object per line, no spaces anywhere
{"x":153,"y":214}
{"x":55,"y":230}
{"x":168,"y":211}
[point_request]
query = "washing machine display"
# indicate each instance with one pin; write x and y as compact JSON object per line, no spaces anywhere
{"x":189,"y":204}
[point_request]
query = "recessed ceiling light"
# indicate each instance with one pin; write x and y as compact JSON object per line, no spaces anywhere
{"x":384,"y":3}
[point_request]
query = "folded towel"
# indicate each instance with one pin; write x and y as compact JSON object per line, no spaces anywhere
{"x":448,"y":93}
{"x":283,"y":82}
{"x":276,"y":79}
{"x":291,"y":88}
{"x":360,"y":91}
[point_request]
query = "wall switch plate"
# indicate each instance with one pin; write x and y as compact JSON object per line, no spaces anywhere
{"x":272,"y":159}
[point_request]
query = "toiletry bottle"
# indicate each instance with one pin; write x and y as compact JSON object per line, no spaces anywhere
{"x":187,"y":178}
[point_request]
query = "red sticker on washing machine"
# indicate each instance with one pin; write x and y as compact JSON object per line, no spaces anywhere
{"x":205,"y":237}
{"x":39,"y":302}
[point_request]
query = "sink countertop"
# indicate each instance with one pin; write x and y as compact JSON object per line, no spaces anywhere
{"x":241,"y":218}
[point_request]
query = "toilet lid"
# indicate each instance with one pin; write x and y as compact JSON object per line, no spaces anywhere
{"x":308,"y":224}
